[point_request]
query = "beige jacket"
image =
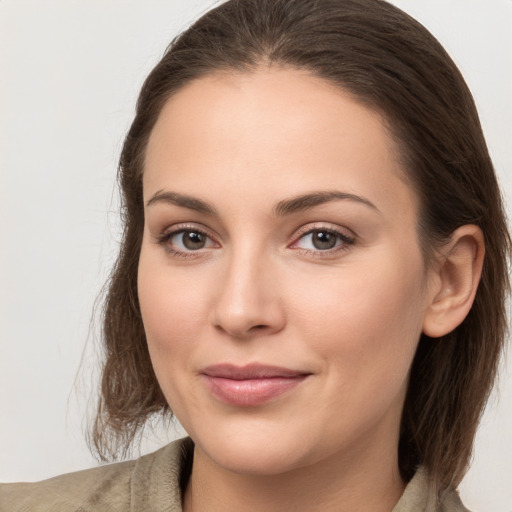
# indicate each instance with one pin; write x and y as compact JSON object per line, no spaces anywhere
{"x":152,"y":483}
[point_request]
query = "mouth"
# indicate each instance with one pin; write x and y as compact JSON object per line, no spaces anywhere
{"x":250,"y":385}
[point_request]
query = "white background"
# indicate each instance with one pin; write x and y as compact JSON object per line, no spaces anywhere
{"x":69,"y":75}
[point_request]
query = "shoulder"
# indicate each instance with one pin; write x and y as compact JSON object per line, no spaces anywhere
{"x":82,"y":490}
{"x":132,"y":485}
{"x":418,"y":497}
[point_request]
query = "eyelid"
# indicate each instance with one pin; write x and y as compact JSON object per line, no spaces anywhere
{"x":166,"y":234}
{"x":315,"y":226}
{"x":347,"y":237}
{"x":186,"y":226}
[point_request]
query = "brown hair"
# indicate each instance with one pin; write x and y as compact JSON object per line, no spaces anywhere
{"x":392,"y":64}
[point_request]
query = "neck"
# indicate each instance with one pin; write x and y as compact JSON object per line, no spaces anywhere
{"x":330,"y":485}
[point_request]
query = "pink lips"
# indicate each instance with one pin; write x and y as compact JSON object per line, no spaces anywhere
{"x":249,"y":385}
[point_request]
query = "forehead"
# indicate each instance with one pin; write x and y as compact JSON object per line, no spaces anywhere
{"x":280,"y":127}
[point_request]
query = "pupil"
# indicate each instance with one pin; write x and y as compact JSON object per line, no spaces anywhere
{"x":193,"y":240}
{"x":323,"y":240}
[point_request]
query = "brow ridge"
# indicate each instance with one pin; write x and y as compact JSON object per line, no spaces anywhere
{"x":281,"y":209}
{"x":182,"y":200}
{"x":306,"y":201}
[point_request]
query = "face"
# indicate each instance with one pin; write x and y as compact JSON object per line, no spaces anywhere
{"x":281,"y":282}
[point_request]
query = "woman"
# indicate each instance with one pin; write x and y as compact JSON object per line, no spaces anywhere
{"x":312,"y":276}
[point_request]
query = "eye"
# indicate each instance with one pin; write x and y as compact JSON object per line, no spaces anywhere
{"x":323,"y":240}
{"x":190,"y":240}
{"x":186,"y":241}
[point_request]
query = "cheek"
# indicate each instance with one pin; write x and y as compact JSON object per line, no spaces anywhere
{"x":173,"y":319}
{"x":172,"y":312}
{"x":168,"y":305}
{"x":361,"y":300}
{"x":364,"y":321}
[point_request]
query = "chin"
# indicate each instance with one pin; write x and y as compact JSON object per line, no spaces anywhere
{"x":255,"y":449}
{"x":267,"y":460}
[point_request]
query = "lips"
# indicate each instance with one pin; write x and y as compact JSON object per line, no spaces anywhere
{"x":250,"y":385}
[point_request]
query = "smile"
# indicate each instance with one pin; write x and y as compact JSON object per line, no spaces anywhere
{"x":250,"y":385}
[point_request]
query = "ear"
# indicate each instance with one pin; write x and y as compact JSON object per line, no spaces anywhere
{"x":455,"y":281}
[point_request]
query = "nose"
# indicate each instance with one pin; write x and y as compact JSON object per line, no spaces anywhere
{"x":248,"y":302}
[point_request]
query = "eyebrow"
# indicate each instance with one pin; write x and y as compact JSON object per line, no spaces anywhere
{"x":185,"y":201}
{"x":306,"y":201}
{"x":281,"y":209}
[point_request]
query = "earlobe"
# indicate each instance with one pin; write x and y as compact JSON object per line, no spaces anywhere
{"x":457,"y":277}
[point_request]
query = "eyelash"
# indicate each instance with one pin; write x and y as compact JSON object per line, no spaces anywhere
{"x":345,"y":241}
{"x":164,"y":238}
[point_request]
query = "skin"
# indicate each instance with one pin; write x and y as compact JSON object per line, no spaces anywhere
{"x":260,"y":291}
